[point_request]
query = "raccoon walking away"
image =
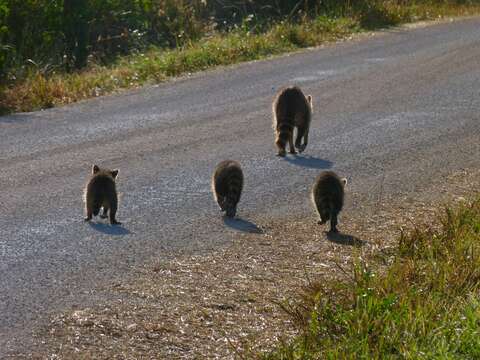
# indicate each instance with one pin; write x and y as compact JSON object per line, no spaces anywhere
{"x":227,"y":185}
{"x":327,"y":196}
{"x":101,"y":192}
{"x":291,"y":109}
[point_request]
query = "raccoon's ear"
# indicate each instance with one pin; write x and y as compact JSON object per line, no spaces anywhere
{"x":344,"y":181}
{"x":95,"y":169}
{"x":114,"y":173}
{"x":310,"y":100}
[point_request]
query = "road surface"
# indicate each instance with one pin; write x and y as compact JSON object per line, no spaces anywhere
{"x":391,"y":111}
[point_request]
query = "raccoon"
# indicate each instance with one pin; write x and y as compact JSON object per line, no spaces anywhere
{"x":227,"y":185}
{"x":291,"y":109}
{"x":101,"y":192}
{"x":327,"y":196}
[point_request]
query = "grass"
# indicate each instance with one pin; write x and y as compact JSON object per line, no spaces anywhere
{"x":420,"y":302}
{"x":43,"y":90}
{"x":40,"y":91}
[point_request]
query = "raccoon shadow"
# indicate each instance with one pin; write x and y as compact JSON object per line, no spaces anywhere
{"x":344,"y":239}
{"x":242,"y":225}
{"x":116,"y":230}
{"x":309,"y":162}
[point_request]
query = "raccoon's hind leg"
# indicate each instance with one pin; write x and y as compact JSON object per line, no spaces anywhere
{"x":301,"y":133}
{"x":281,"y":148}
{"x":92,"y":211}
{"x":104,"y":214}
{"x":298,"y":141}
{"x":89,"y":216}
{"x":333,"y":223}
{"x":89,"y":204}
{"x":96,"y":209}
{"x":231,"y":212}
{"x":324,"y":217}
{"x":281,"y":153}
{"x":113,"y":212}
{"x":290,"y":142}
{"x":324,"y":214}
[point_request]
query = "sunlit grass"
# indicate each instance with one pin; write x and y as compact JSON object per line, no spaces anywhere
{"x":39,"y":90}
{"x":424,"y":304}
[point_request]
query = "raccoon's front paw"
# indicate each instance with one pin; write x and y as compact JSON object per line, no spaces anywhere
{"x":301,"y":148}
{"x":115,"y":222}
{"x":87,"y":219}
{"x":334,"y":231}
{"x":293,"y":152}
{"x":103,"y":216}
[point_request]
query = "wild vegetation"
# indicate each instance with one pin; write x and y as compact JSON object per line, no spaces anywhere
{"x":62,"y":51}
{"x":419,"y":302}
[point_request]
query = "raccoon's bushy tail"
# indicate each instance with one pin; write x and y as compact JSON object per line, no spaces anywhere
{"x":234,"y":189}
{"x":285,"y":126}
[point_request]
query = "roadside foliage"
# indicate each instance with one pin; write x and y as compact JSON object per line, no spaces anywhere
{"x":419,"y":301}
{"x":60,"y":51}
{"x":63,"y":33}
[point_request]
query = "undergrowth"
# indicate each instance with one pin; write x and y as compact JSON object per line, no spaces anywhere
{"x":44,"y":88}
{"x":423,"y":304}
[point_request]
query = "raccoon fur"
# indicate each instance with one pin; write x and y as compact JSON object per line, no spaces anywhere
{"x":101,"y":192}
{"x":327,"y":196}
{"x":227,"y":185}
{"x":291,"y":109}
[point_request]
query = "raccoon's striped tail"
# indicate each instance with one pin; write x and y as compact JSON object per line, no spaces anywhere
{"x":233,"y":196}
{"x":285,"y":127}
{"x":283,"y":136}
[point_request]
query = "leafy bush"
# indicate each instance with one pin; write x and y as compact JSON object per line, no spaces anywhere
{"x":64,"y":33}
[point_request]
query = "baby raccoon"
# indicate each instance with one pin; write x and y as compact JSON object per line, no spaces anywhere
{"x":327,"y":195}
{"x":101,"y":192}
{"x":291,"y":109}
{"x":227,"y":184}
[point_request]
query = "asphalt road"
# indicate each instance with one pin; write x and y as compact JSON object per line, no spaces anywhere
{"x":391,"y":111}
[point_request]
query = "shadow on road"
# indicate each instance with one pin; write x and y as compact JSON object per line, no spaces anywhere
{"x":309,"y":161}
{"x":242,"y":225}
{"x":344,"y":239}
{"x":109,"y":229}
{"x":14,"y":118}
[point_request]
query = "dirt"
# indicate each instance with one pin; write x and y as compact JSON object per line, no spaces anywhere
{"x":227,"y":304}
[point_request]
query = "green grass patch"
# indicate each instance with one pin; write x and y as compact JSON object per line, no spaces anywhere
{"x":42,"y":89}
{"x":420,"y":302}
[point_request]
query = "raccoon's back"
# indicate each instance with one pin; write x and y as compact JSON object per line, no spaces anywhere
{"x":228,"y":176}
{"x":328,"y":191}
{"x":290,"y":106}
{"x":101,"y":187}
